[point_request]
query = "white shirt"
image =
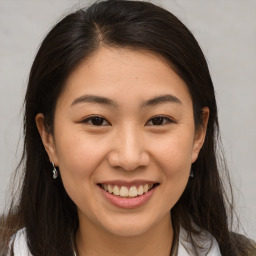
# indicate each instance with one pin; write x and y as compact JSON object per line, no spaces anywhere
{"x":20,"y":247}
{"x":209,"y":243}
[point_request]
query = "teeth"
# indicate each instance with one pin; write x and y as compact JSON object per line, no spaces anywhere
{"x":116,"y":191}
{"x":133,"y":191}
{"x":124,"y":191}
{"x":110,"y":190}
{"x":140,"y":190}
{"x":145,"y":188}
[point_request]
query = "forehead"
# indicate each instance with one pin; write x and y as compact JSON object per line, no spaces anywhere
{"x":122,"y":72}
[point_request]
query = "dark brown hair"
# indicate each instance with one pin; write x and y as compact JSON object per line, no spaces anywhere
{"x":44,"y":207}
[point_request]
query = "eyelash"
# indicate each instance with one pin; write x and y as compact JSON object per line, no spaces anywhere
{"x":102,"y":120}
{"x":165,"y":119}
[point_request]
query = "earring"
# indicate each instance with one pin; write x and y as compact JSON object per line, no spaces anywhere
{"x":191,"y":175}
{"x":54,"y":171}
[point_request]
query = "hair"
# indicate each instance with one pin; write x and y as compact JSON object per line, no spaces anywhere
{"x":43,"y":206}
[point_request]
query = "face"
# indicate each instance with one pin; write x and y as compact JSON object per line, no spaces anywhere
{"x":124,"y":140}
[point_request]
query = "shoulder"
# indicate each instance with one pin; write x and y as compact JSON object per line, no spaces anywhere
{"x":249,"y":244}
{"x":19,"y":244}
{"x":251,"y":248}
{"x":206,"y":241}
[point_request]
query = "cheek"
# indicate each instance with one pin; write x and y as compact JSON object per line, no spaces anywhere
{"x":174,"y":161}
{"x":78,"y":159}
{"x":174,"y":154}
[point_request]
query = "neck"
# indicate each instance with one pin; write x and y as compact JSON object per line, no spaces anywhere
{"x":93,"y":241}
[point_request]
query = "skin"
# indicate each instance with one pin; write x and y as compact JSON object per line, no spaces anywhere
{"x":127,"y":146}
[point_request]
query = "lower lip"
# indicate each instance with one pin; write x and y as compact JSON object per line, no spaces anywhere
{"x":128,"y":203}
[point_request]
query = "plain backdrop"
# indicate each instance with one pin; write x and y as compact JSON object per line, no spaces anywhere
{"x":226,"y":31}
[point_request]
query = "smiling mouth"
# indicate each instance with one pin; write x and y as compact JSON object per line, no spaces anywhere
{"x":127,"y":192}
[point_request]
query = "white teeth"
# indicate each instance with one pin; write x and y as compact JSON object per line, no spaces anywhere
{"x":140,"y":190}
{"x":124,"y":191}
{"x":133,"y":191}
{"x":145,"y":188}
{"x":110,"y":190}
{"x":116,"y":191}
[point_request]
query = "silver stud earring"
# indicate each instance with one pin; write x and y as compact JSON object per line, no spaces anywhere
{"x":54,"y":172}
{"x":191,"y":175}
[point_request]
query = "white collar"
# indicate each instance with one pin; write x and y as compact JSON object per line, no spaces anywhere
{"x":21,"y":248}
{"x":185,"y":248}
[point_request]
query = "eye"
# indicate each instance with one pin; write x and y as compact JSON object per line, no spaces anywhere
{"x":159,"y":120}
{"x":96,"y":121}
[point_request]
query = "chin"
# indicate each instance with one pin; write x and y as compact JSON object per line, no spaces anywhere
{"x":127,"y":230}
{"x":127,"y":227}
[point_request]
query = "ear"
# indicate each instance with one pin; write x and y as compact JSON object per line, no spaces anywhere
{"x":47,"y":138}
{"x":200,"y":133}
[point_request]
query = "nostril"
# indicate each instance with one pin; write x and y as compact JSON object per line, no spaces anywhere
{"x":128,"y":160}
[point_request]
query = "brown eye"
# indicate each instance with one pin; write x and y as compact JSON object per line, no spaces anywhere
{"x":159,"y":120}
{"x":96,"y":121}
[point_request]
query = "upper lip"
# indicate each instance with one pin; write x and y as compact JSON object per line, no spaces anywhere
{"x":127,"y":183}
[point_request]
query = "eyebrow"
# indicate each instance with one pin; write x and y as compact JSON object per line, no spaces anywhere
{"x":94,"y":99}
{"x":167,"y":98}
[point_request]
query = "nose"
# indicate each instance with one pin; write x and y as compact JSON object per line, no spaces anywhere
{"x":128,"y":150}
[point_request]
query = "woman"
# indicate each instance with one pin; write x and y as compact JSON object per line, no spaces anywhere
{"x":120,"y":142}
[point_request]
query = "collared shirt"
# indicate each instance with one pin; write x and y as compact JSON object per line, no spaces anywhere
{"x":207,"y":242}
{"x":183,"y":246}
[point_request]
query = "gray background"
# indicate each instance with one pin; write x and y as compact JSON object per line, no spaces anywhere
{"x":226,"y":31}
